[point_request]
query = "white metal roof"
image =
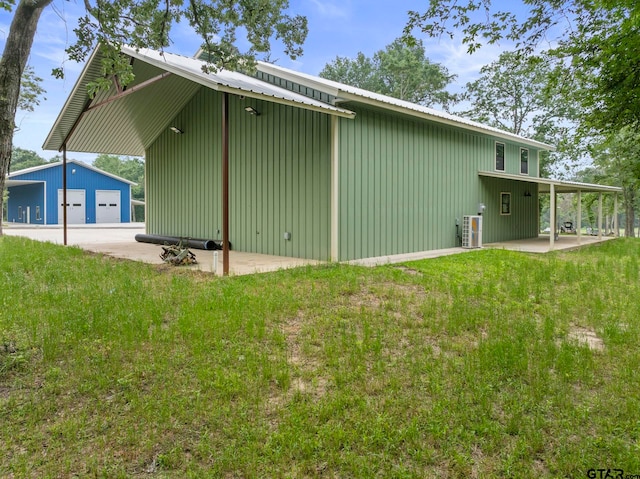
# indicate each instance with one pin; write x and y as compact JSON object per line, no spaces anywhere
{"x":14,"y":175}
{"x":127,"y":126}
{"x":348,"y":93}
{"x":225,"y":80}
{"x":560,"y":186}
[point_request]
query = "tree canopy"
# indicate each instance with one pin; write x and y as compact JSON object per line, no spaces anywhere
{"x":143,"y":24}
{"x":517,"y":93}
{"x":22,"y":159}
{"x":595,"y":44}
{"x":399,"y":70}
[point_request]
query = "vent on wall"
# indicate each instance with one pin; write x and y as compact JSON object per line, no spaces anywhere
{"x":472,"y":232}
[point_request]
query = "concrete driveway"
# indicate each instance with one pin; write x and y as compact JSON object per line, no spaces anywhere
{"x":118,"y":240}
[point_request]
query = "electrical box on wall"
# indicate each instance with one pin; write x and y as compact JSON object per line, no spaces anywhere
{"x":472,"y":231}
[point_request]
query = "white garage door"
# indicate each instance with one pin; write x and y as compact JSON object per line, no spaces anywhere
{"x":76,"y":207}
{"x":107,"y":206}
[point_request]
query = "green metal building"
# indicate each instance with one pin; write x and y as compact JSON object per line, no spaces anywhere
{"x":316,"y":169}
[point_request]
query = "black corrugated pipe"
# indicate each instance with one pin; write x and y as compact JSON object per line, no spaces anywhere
{"x":174,"y":240}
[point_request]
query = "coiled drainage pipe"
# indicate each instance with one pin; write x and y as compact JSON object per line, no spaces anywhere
{"x":174,"y":240}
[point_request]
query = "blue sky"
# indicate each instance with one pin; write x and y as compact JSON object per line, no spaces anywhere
{"x":336,"y":28}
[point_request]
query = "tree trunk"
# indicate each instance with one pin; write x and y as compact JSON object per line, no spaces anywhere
{"x":630,"y":221}
{"x":14,"y":59}
{"x":629,"y":227}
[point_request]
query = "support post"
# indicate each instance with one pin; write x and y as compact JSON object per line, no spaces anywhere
{"x":64,"y":193}
{"x":599,"y":216}
{"x":225,"y":184}
{"x":552,"y":216}
{"x":335,"y":185}
{"x":579,"y":219}
{"x":615,"y":215}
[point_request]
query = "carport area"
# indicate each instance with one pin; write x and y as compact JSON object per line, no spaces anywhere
{"x":118,"y":240}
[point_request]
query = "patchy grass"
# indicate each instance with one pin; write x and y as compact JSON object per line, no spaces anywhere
{"x":477,"y":365}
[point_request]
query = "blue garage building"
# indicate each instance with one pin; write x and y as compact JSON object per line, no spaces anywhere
{"x":93,"y":195}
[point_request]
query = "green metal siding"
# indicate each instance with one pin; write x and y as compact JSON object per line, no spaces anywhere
{"x":512,"y":159}
{"x":404,"y":182}
{"x":279,"y":168}
{"x":523,"y":220}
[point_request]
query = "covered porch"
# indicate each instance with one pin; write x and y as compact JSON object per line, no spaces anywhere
{"x":542,"y":244}
{"x":551,"y":187}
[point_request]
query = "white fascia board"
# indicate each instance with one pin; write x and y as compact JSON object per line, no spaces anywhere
{"x":478,"y":128}
{"x":69,"y":162}
{"x":204,"y":80}
{"x":562,"y":185}
{"x":347,"y":93}
{"x":70,"y":98}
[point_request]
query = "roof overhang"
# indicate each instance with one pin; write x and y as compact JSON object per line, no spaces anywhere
{"x":127,"y":125}
{"x":8,"y":183}
{"x":544,"y":184}
{"x":345,"y":93}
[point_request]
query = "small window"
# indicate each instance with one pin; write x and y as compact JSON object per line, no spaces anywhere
{"x":524,"y":161}
{"x":505,"y":203}
{"x":499,"y":156}
{"x":38,"y":218}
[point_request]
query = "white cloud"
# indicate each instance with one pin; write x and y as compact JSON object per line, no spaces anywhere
{"x":331,"y":9}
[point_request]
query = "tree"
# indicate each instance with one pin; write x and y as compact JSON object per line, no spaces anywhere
{"x":131,"y":169}
{"x":142,"y":24}
{"x":21,"y":159}
{"x":595,"y":44}
{"x":400,"y":71}
{"x":618,"y":156}
{"x":516,"y":93}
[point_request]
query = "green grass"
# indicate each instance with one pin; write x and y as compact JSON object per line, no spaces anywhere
{"x":463,"y":366}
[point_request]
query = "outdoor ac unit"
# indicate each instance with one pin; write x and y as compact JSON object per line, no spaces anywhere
{"x":472,"y":232}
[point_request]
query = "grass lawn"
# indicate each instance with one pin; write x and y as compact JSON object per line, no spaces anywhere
{"x":487,"y":364}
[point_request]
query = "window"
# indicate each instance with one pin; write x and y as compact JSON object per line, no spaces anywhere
{"x":524,"y":161}
{"x":38,"y":218}
{"x":505,"y":203}
{"x":499,"y":156}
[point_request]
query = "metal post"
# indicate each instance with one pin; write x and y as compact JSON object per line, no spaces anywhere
{"x":599,"y":216}
{"x":579,"y":218}
{"x":64,"y":191}
{"x":552,"y":216}
{"x":225,"y":184}
{"x":615,"y":215}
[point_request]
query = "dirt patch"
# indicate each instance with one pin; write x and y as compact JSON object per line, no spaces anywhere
{"x":411,"y":271}
{"x":587,"y":337}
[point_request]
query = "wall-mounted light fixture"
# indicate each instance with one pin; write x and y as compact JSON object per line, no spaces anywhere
{"x":251,"y":110}
{"x":527,"y":194}
{"x":73,"y":172}
{"x":176,"y":130}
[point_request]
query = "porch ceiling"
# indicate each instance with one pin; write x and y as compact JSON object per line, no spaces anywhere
{"x":544,"y":184}
{"x":130,"y":123}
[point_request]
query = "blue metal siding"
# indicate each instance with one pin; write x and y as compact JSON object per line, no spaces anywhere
{"x":83,"y":179}
{"x":25,"y":196}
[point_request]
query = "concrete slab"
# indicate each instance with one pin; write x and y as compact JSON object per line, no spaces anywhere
{"x":119,"y":241}
{"x":541,"y":243}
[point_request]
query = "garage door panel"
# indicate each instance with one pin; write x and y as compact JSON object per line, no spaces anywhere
{"x":107,"y":206}
{"x":76,"y":207}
